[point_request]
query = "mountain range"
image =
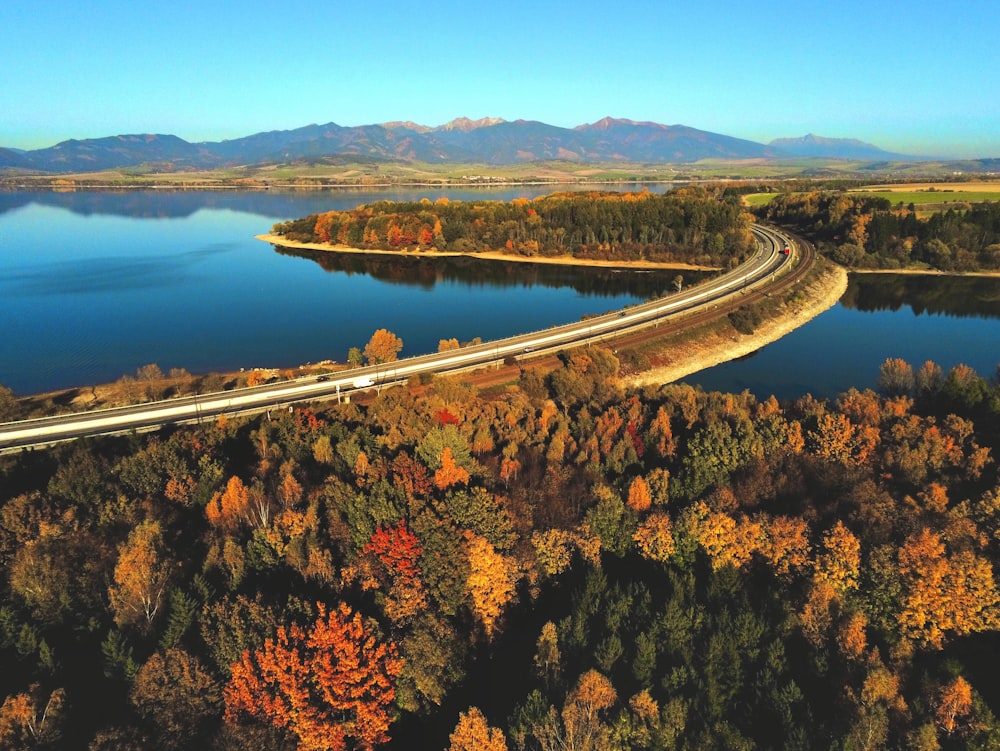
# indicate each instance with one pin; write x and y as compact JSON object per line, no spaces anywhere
{"x":492,"y":141}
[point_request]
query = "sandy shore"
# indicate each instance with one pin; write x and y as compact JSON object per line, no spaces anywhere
{"x":820,"y":295}
{"x":486,"y":255}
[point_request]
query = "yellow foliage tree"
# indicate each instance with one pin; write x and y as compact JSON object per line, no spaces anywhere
{"x":654,"y":538}
{"x":944,"y":594}
{"x":26,"y":721}
{"x":492,"y":580}
{"x":840,"y":561}
{"x":472,"y":733}
{"x":384,"y":346}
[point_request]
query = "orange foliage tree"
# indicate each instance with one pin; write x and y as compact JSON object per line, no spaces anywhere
{"x":141,"y":576}
{"x":638,"y":495}
{"x":384,"y":346}
{"x":839,"y":439}
{"x":953,"y":701}
{"x":450,"y":473}
{"x":29,"y":720}
{"x":229,"y":508}
{"x":786,"y":543}
{"x":332,"y":684}
{"x":944,"y":593}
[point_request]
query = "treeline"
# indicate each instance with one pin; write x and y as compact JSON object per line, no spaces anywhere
{"x":692,"y":225}
{"x":717,"y":571}
{"x":869,"y":232}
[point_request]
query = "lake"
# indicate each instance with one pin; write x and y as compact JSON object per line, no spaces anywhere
{"x":95,"y":284}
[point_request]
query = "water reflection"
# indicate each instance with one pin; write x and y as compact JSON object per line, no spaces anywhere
{"x":164,"y":203}
{"x":476,"y":272}
{"x":947,"y":319}
{"x":924,"y":294}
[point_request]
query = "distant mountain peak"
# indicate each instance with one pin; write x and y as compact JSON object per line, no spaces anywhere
{"x":610,"y":122}
{"x":811,"y":145}
{"x":465,"y":124}
{"x":813,"y":139}
{"x":407,"y":125}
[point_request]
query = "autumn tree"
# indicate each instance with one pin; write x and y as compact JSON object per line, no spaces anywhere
{"x":389,"y":562}
{"x":581,"y":725}
{"x":332,"y":684}
{"x":851,"y":638}
{"x":896,"y":377}
{"x":31,"y":719}
{"x":548,"y":658}
{"x":141,"y":576}
{"x":384,"y":346}
{"x":177,"y":695}
{"x":654,"y":538}
{"x":472,"y":733}
{"x":953,"y":701}
{"x":840,"y":560}
{"x":449,"y":473}
{"x":785,"y":544}
{"x":944,"y":593}
{"x":230,"y":508}
{"x":492,"y":579}
{"x":638,"y":495}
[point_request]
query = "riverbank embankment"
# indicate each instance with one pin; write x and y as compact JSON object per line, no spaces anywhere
{"x":817,"y":295}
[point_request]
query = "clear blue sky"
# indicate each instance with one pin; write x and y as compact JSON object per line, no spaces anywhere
{"x":919,"y":77}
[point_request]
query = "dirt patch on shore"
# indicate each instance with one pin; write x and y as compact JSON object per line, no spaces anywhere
{"x":817,"y":296}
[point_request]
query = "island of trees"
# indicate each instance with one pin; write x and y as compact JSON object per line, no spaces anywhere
{"x":557,"y":563}
{"x":690,"y":225}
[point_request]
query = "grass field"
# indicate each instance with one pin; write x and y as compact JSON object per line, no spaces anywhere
{"x":927,"y":195}
{"x":943,"y":197}
{"x":758,"y":199}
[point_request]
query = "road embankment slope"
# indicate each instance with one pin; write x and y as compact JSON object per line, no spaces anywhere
{"x":815,"y":296}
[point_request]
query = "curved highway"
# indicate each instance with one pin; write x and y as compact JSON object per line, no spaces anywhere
{"x":760,"y":271}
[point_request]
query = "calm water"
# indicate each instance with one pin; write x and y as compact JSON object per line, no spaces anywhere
{"x":94,"y":285}
{"x":949,"y":320}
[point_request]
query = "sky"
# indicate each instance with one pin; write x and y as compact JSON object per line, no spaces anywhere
{"x":918,"y":78}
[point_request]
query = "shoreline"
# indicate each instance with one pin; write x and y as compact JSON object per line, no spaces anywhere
{"x":821,"y":294}
{"x":925,"y":272}
{"x":489,"y":255}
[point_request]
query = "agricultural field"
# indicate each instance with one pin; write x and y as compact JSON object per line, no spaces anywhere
{"x":925,"y":195}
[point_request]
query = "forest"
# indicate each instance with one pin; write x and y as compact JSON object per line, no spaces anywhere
{"x":690,"y":225}
{"x":558,"y":563}
{"x":869,"y":232}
